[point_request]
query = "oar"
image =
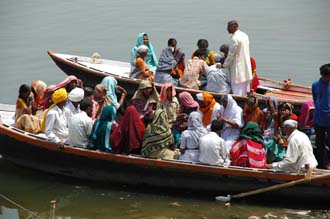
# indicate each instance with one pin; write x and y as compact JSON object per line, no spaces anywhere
{"x":270,"y":188}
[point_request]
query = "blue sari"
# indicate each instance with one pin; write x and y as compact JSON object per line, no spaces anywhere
{"x":151,"y":59}
{"x":100,"y":136}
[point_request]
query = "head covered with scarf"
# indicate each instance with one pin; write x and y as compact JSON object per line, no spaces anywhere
{"x":195,"y":126}
{"x":111,"y":83}
{"x":186,"y":101}
{"x":207,"y":109}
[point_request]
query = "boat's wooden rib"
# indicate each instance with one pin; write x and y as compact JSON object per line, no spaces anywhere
{"x":91,"y":74}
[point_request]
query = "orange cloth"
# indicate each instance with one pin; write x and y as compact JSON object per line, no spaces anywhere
{"x":141,"y":65}
{"x":207,"y":111}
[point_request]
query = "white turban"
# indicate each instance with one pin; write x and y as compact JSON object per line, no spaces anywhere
{"x":76,"y":95}
{"x":291,"y":123}
{"x":200,"y":96}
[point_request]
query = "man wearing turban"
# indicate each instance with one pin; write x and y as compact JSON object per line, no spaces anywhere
{"x":55,"y":122}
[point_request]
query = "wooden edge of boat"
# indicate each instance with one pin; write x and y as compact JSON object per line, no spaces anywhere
{"x":179,"y":166}
{"x":122,"y":80}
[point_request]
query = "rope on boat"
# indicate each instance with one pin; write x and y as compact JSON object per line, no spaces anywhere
{"x":20,"y":206}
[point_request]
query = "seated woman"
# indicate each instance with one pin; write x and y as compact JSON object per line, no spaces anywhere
{"x":100,"y":136}
{"x":274,"y":151}
{"x":127,"y":137}
{"x":38,"y":88}
{"x":101,"y":98}
{"x":180,"y":125}
{"x":158,"y":141}
{"x":112,"y":87}
{"x":203,"y":44}
{"x":151,"y":58}
{"x":140,"y":69}
{"x":252,"y":112}
{"x":248,"y":150}
{"x":145,"y":99}
{"x":208,"y":107}
{"x":232,"y":118}
{"x":24,"y":118}
{"x":187,"y":103}
{"x":189,"y":146}
{"x":169,"y":103}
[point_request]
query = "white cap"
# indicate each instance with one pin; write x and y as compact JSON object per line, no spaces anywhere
{"x":290,"y":123}
{"x":76,"y":95}
{"x":200,"y":96}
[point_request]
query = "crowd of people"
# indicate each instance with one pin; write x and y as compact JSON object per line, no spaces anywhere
{"x":195,"y":128}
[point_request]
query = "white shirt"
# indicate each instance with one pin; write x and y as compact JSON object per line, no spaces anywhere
{"x":238,"y":59}
{"x":56,"y":125}
{"x":218,"y":80}
{"x":212,"y":150}
{"x":80,"y":127}
{"x":299,"y":153}
{"x":71,"y":109}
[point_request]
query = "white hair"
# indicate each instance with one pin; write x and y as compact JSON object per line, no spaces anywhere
{"x":142,"y":49}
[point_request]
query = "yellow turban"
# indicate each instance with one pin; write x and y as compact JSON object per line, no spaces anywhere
{"x":58,"y":96}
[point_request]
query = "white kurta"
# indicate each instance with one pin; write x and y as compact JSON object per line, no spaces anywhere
{"x":80,"y":127}
{"x":238,"y":59}
{"x":299,"y":153}
{"x":70,"y":110}
{"x":213,"y":150}
{"x":56,"y":125}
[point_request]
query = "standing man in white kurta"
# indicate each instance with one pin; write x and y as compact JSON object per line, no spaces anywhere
{"x":238,"y":60}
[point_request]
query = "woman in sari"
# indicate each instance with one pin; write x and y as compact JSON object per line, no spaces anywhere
{"x":112,"y":86}
{"x":100,"y":136}
{"x":140,"y":69}
{"x":102,"y":99}
{"x":187,"y":103}
{"x":232,"y":118}
{"x":249,"y":151}
{"x":145,"y":99}
{"x":158,"y":141}
{"x":189,"y":147}
{"x":151,"y":58}
{"x":169,"y":103}
{"x":38,"y":88}
{"x":24,"y":118}
{"x":127,"y":137}
{"x":180,"y":125}
{"x":252,"y":112}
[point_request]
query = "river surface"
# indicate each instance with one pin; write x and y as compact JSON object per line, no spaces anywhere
{"x":288,"y":38}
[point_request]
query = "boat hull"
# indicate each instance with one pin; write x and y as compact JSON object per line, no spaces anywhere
{"x":28,"y":151}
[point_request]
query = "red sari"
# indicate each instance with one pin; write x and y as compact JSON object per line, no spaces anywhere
{"x":127,"y":137}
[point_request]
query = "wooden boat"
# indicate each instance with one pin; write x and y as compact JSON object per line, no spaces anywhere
{"x":36,"y":152}
{"x":92,"y":73}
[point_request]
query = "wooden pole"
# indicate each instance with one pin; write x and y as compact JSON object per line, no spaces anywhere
{"x":271,"y":188}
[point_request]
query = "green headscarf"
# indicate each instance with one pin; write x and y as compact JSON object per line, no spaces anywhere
{"x":252,"y":131}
